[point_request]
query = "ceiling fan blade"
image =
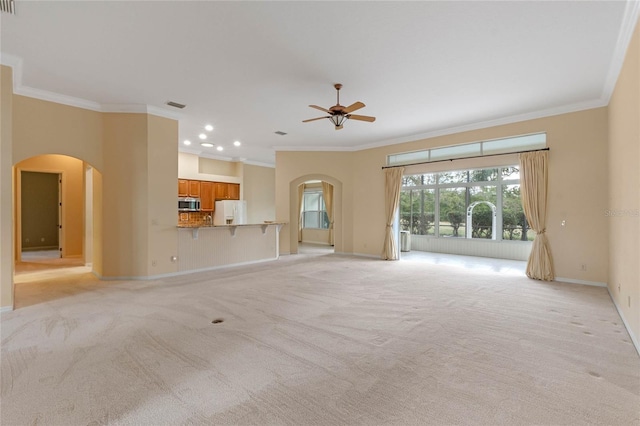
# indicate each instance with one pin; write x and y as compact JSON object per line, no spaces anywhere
{"x":353,"y":107}
{"x":361,"y":118}
{"x":320,"y":108}
{"x":314,"y":119}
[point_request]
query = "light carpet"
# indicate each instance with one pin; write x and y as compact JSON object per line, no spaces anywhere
{"x":318,"y":340}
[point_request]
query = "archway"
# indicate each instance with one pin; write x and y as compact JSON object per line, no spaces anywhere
{"x":294,"y":216}
{"x":469,"y":228}
{"x":78,"y":218}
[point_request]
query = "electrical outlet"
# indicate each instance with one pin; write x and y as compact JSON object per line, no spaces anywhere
{"x":174,"y":259}
{"x":154,"y":263}
{"x":26,"y":240}
{"x":42,"y":239}
{"x":618,"y":287}
{"x":583,"y":267}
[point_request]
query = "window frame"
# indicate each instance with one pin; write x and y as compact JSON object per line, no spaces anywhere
{"x":321,"y":211}
{"x":499,"y":183}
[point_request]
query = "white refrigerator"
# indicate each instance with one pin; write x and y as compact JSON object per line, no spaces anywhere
{"x":230,"y":212}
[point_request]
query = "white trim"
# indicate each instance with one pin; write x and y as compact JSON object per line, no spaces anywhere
{"x":6,"y":309}
{"x":371,"y":256}
{"x":629,"y":21}
{"x":258,"y":163}
{"x":45,"y":95}
{"x":179,"y":273}
{"x":624,"y":321}
{"x":14,"y":62}
{"x":315,"y":148}
{"x":583,"y":282}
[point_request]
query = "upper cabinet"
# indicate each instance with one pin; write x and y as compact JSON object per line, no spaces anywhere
{"x":183,"y":188}
{"x":234,"y":191}
{"x":194,"y":188}
{"x":188,"y":188}
{"x":227,"y":191}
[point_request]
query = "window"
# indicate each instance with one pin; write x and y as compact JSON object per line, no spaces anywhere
{"x":474,"y":204}
{"x":314,"y":214}
{"x":474,"y":149}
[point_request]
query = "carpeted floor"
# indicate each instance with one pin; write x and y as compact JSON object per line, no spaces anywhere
{"x":318,"y":340}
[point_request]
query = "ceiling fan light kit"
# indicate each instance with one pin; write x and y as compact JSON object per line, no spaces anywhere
{"x":338,"y":114}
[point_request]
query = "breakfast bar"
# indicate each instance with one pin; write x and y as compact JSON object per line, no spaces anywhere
{"x":207,"y":247}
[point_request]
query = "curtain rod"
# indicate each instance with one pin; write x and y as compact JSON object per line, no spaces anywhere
{"x":464,"y":158}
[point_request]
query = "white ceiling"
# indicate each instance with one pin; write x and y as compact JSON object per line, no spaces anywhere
{"x":252,"y":68}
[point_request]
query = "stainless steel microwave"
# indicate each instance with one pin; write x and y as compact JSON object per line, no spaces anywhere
{"x":188,"y":204}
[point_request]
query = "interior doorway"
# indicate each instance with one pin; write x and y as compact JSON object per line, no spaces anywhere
{"x":54,"y":226}
{"x":40,"y":215}
{"x":315,"y":224}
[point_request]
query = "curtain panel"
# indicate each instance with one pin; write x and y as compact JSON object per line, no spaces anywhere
{"x":392,"y":187}
{"x":533,"y":189}
{"x":327,"y":194}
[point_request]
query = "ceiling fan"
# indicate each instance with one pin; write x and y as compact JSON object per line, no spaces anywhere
{"x":338,"y":114}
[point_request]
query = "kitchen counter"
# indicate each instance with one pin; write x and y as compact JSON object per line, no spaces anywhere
{"x":206,"y":247}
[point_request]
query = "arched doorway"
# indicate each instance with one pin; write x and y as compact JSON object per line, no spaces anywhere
{"x":75,"y":219}
{"x":296,"y":202}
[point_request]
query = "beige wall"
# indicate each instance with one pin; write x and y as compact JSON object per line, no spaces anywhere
{"x":72,"y":171}
{"x":42,"y":127}
{"x":259,"y":190}
{"x":293,"y":168}
{"x":189,"y":167}
{"x":623,"y":204}
{"x":577,"y":187}
{"x":97,"y":209}
{"x":211,"y":166}
{"x":139,"y":234}
{"x":162,"y":177}
{"x":6,"y":188}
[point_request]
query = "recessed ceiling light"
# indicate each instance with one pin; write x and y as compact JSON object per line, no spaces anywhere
{"x":219,"y":148}
{"x":207,"y":144}
{"x":208,"y":127}
{"x":237,"y":143}
{"x":187,"y":142}
{"x":202,"y":136}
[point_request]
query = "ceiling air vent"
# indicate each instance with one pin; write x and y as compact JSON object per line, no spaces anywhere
{"x":7,"y":6}
{"x":280,"y":133}
{"x":175,"y":104}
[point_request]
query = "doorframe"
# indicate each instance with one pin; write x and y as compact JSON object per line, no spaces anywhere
{"x":294,"y":216}
{"x":18,"y":211}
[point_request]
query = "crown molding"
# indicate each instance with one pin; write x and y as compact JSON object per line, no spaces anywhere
{"x":550,"y":112}
{"x":315,"y":148}
{"x":260,"y":164}
{"x":629,"y":22}
{"x":16,"y":62}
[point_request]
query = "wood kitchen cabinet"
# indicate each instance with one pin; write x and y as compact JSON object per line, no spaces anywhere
{"x":234,"y":191}
{"x":188,"y":188}
{"x":227,"y":191}
{"x":194,"y":188}
{"x":207,"y":196}
{"x":183,"y":188}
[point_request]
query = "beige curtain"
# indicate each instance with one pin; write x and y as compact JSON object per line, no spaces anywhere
{"x":392,"y":187}
{"x":300,"y":200}
{"x":327,"y":194}
{"x":533,"y":189}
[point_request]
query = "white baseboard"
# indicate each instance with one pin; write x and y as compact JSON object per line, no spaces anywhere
{"x":6,"y":309}
{"x":626,"y":325}
{"x":175,"y":274}
{"x":583,"y":282}
{"x":371,"y":256}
